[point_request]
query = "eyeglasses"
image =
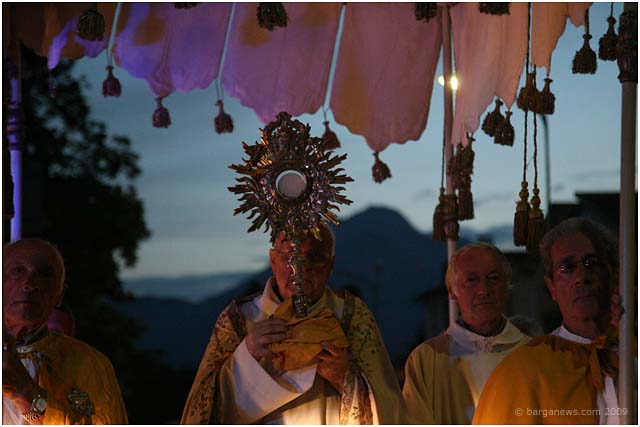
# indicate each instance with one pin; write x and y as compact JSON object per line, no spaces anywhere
{"x":590,"y":263}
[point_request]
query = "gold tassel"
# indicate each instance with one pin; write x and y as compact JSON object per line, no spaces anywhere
{"x":223,"y":121}
{"x":438,"y":220}
{"x":329,"y":138}
{"x":494,"y":8}
{"x":547,"y":99}
{"x":505,"y":133}
{"x":111,"y":85}
{"x":607,"y":43}
{"x":184,"y":5}
{"x":450,"y":217}
{"x":536,"y":224}
{"x":380,"y":170}
{"x":425,"y":11}
{"x":493,"y":120}
{"x":521,"y":218}
{"x":271,"y":15}
{"x":91,"y":24}
{"x":528,"y":96}
{"x":465,"y":203}
{"x":465,"y":158}
{"x":584,"y":62}
{"x":161,"y":118}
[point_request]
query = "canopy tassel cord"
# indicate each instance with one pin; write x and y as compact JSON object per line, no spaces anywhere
{"x":161,"y":117}
{"x":91,"y":24}
{"x":536,"y":224}
{"x":547,"y":98}
{"x":521,"y":218}
{"x":493,"y":120}
{"x":627,"y":56}
{"x":380,"y":170}
{"x":584,"y":62}
{"x":329,"y":137}
{"x":223,"y":123}
{"x":271,"y":15}
{"x":494,"y":8}
{"x":607,"y":43}
{"x":111,"y":85}
{"x":425,"y":11}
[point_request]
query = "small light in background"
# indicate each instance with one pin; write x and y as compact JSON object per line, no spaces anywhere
{"x":454,"y":82}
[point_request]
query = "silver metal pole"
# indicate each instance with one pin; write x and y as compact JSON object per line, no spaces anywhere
{"x":628,"y":64}
{"x":547,"y":161}
{"x":445,"y":20}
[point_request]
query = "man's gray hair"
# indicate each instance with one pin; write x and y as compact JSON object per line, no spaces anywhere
{"x":49,"y":245}
{"x":452,"y":269}
{"x":603,"y":241}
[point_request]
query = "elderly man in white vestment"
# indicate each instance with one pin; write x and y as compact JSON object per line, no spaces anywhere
{"x":238,"y":381}
{"x":444,"y":376}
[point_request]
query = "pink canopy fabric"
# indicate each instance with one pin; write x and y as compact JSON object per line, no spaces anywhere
{"x":489,"y":53}
{"x":50,"y":29}
{"x":286,"y":69}
{"x":547,"y":25}
{"x":385,"y":69}
{"x":172,"y":49}
{"x":384,"y":92}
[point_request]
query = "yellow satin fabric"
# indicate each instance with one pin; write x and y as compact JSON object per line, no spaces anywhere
{"x":67,"y":363}
{"x":306,"y":334}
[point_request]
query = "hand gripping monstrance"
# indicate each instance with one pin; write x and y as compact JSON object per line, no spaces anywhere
{"x":292,"y":184}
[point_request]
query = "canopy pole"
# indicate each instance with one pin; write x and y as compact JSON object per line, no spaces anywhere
{"x":445,"y":23}
{"x":628,"y":64}
{"x":14,"y":133}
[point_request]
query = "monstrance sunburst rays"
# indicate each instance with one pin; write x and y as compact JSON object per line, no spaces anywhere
{"x":290,"y":184}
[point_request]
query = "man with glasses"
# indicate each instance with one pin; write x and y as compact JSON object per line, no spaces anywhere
{"x":566,"y":377}
{"x":242,"y":378}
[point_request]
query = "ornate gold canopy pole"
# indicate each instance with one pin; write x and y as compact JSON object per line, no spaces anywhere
{"x":290,"y":183}
{"x":627,"y":55}
{"x":15,"y":127}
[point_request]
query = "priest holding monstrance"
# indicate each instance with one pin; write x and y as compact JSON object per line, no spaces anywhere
{"x":296,"y":353}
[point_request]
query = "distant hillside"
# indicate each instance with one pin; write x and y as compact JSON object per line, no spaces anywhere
{"x":193,"y":288}
{"x":379,"y":256}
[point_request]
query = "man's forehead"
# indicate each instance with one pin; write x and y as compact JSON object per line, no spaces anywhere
{"x":571,"y":245}
{"x":478,"y":258}
{"x":34,"y":252}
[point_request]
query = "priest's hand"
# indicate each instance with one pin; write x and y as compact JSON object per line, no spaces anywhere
{"x":333,"y":364}
{"x":264,"y":333}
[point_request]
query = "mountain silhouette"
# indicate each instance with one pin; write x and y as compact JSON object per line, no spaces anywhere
{"x":379,"y":256}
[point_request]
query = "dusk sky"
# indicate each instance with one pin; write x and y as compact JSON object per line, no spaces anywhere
{"x":185,"y":167}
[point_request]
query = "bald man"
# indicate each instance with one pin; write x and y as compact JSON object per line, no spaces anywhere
{"x":48,"y":377}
